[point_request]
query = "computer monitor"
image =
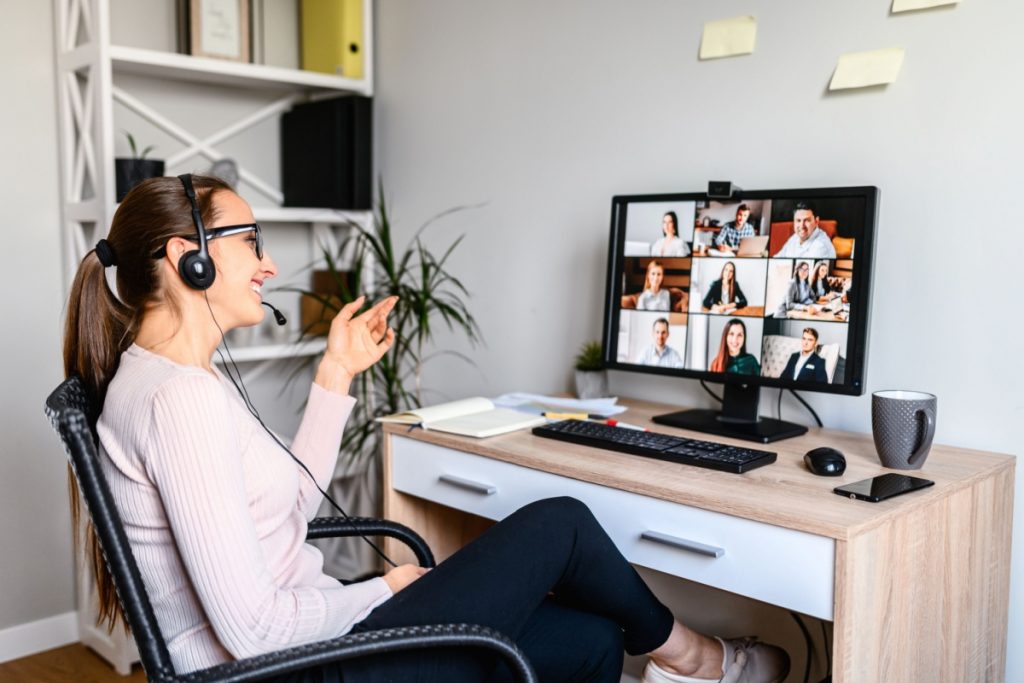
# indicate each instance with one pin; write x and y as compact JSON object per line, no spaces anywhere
{"x":770,"y":288}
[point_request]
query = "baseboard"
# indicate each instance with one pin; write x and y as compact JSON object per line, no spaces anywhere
{"x":37,"y":636}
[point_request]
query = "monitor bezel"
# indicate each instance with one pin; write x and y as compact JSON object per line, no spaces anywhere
{"x":856,"y":361}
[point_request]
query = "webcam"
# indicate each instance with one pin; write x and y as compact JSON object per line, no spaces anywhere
{"x":722,"y":189}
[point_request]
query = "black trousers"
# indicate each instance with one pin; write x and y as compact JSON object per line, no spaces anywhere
{"x":549,"y":578}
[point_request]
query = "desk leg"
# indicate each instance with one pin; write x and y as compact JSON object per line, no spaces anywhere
{"x":925,"y":596}
{"x":444,"y":529}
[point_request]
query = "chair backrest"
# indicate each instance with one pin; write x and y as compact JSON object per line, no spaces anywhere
{"x":73,"y":414}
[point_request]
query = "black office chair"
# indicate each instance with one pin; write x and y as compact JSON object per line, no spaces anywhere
{"x":73,"y":415}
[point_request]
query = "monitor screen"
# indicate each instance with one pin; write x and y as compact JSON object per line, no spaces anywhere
{"x":770,"y":288}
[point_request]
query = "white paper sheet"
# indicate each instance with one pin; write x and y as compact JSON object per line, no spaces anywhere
{"x":728,"y":37}
{"x":909,"y":5}
{"x":595,"y":406}
{"x":863,"y":69}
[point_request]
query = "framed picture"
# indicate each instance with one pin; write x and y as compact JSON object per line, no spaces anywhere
{"x":219,"y":29}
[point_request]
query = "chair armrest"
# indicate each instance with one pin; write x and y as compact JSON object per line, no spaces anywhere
{"x":357,"y":645}
{"x":335,"y":527}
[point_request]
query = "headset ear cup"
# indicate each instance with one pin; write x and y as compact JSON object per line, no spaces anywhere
{"x":196,"y":270}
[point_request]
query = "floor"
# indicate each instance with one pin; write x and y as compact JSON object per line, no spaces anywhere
{"x":69,"y":663}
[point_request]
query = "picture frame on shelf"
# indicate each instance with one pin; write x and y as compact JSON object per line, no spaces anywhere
{"x":219,"y":29}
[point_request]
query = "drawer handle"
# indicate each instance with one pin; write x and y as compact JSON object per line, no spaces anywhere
{"x":683,"y":544}
{"x":469,"y":485}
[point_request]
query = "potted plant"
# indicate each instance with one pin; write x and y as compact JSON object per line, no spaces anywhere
{"x":130,"y":171}
{"x":429,"y":295}
{"x":591,"y":378}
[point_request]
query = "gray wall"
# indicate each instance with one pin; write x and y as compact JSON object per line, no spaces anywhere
{"x":35,"y":536}
{"x":546,"y":109}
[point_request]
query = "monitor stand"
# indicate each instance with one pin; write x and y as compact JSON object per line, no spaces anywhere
{"x":738,"y":418}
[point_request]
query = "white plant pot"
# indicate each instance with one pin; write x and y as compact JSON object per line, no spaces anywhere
{"x":590,"y":384}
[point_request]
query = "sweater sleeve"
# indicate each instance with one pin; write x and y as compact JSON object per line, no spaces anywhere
{"x":195,"y":462}
{"x":317,"y":443}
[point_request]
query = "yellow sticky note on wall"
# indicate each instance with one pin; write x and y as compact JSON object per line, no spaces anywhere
{"x":908,"y":5}
{"x":728,"y":37}
{"x":863,"y":69}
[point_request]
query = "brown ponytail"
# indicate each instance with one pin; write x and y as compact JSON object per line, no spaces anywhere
{"x":101,"y":325}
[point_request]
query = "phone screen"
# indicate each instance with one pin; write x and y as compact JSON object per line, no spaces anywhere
{"x":883,"y":486}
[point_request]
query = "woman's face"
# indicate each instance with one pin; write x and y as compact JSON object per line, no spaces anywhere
{"x":822,"y":271}
{"x":728,"y":273}
{"x":734,"y":339}
{"x":801,"y":271}
{"x":654,"y":277}
{"x":236,"y":294}
{"x":667,"y":227}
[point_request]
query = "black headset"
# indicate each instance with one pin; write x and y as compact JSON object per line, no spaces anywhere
{"x":196,"y":267}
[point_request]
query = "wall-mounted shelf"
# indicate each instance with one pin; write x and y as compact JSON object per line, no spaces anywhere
{"x":158,"y":64}
{"x":310,"y":346}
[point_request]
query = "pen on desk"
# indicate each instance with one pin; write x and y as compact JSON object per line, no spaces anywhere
{"x":572,"y":416}
{"x":624,"y":425}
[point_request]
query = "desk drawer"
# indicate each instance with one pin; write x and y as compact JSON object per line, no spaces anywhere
{"x":780,"y":566}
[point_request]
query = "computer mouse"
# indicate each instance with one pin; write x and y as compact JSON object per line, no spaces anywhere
{"x":825,"y":461}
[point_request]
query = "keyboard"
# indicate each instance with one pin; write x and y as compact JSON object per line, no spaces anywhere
{"x":715,"y":456}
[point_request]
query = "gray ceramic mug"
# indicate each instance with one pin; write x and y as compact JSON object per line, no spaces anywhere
{"x":903,"y":424}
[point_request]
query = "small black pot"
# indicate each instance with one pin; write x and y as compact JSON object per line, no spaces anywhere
{"x":130,"y":172}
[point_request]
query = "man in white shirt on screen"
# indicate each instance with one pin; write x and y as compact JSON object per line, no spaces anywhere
{"x":807,"y":240}
{"x":660,"y":353}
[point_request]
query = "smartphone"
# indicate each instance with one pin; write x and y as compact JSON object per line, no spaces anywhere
{"x":882,"y":487}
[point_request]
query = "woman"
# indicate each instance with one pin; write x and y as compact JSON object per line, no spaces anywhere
{"x":732,"y":351}
{"x":820,"y":287}
{"x":670,"y":244}
{"x":725,"y":295}
{"x":798,"y":295}
{"x":654,"y":297}
{"x":216,"y":511}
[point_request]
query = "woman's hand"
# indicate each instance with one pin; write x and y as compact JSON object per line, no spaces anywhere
{"x":355,"y":343}
{"x":402,"y":575}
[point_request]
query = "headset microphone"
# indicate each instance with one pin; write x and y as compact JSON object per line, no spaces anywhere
{"x":278,"y":315}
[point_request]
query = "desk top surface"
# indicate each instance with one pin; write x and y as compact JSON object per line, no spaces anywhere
{"x":784,"y":493}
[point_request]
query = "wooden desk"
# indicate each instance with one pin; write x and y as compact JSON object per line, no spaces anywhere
{"x":917,"y":586}
{"x":746,"y":312}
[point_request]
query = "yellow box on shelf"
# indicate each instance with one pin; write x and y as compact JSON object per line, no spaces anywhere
{"x":332,"y":37}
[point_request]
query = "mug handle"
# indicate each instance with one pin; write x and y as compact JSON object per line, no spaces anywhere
{"x":929,"y":434}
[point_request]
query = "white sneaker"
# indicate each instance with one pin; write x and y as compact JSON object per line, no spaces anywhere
{"x":744,"y":660}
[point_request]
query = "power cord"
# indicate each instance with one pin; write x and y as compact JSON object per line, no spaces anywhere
{"x":807,"y":641}
{"x":808,"y":406}
{"x":708,"y":389}
{"x":240,"y":387}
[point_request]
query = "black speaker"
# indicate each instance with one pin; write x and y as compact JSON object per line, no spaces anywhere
{"x":326,"y":153}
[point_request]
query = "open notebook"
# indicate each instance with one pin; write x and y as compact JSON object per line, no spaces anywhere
{"x":469,"y":417}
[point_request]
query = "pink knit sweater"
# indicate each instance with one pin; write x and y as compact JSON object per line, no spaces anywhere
{"x":216,"y":513}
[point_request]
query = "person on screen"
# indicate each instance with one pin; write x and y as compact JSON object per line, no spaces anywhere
{"x":806,"y":364}
{"x":660,"y":353}
{"x":654,"y":297}
{"x":807,"y":240}
{"x":820,"y":287}
{"x":725,"y":295}
{"x":799,"y":295}
{"x":732,"y":352}
{"x":670,"y":243}
{"x":728,"y":238}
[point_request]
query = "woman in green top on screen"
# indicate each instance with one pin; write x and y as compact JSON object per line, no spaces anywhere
{"x":732,"y":352}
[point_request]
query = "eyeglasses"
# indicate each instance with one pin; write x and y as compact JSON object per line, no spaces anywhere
{"x":227,"y":231}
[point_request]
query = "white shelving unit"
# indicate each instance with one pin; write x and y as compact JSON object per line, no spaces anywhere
{"x":89,"y":69}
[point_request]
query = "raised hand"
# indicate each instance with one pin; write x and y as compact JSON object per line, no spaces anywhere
{"x":355,"y":342}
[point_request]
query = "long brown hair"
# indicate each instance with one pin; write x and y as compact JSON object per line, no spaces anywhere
{"x":721,"y":361}
{"x":101,"y":325}
{"x":732,"y":282}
